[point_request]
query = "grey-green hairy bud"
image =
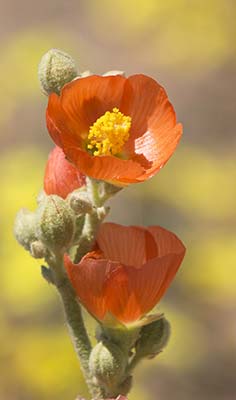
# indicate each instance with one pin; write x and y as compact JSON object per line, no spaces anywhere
{"x":25,"y":228}
{"x":56,"y":68}
{"x":55,"y":223}
{"x":153,"y":338}
{"x":107,"y":363}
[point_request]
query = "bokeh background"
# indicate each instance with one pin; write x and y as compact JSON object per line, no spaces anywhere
{"x":188,"y":46}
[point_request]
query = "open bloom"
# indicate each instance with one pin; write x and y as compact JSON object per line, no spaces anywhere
{"x":61,"y":177}
{"x":128,"y":272}
{"x":113,"y":128}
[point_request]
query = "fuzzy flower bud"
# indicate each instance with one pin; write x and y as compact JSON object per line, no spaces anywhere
{"x":107,"y":363}
{"x":153,"y":338}
{"x":25,"y":228}
{"x":56,"y":68}
{"x":55,"y":223}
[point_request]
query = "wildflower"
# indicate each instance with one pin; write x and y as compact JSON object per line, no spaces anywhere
{"x":61,"y":177}
{"x":128,"y":272}
{"x":117,"y":129}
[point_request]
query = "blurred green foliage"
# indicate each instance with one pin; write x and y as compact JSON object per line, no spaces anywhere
{"x":194,"y":194}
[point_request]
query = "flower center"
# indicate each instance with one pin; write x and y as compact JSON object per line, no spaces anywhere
{"x":109,"y":133}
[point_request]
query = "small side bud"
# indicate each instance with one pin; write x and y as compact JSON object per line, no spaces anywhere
{"x":55,"y":223}
{"x":56,"y":68}
{"x":153,"y":338}
{"x":37,"y":249}
{"x":25,"y":228}
{"x":107,"y":363}
{"x":80,"y":203}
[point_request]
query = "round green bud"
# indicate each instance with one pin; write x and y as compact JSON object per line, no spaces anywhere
{"x":25,"y":228}
{"x":56,"y":68}
{"x":153,"y":338}
{"x":55,"y":224}
{"x":107,"y":363}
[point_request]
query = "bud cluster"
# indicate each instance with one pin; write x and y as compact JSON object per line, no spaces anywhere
{"x":120,"y":349}
{"x":60,"y":225}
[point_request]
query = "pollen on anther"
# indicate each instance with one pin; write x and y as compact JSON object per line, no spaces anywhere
{"x":109,"y":133}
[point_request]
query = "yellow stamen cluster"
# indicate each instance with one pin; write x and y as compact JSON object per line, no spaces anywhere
{"x":109,"y":133}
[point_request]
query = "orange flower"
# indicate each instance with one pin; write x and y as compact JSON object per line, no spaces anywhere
{"x":113,"y":128}
{"x":61,"y":177}
{"x":128,"y":272}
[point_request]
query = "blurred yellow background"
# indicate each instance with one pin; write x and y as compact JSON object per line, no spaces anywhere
{"x":190,"y":48}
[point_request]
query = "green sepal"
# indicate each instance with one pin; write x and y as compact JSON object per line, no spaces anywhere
{"x":123,"y":335}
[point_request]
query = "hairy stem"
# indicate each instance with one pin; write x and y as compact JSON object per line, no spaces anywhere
{"x":76,"y":325}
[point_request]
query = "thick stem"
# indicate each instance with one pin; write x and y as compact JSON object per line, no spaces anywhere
{"x":76,"y":326}
{"x":93,"y":191}
{"x":133,"y":363}
{"x":92,"y":222}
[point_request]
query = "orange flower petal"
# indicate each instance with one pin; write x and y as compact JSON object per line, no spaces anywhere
{"x":107,"y":168}
{"x":132,"y":292}
{"x":61,"y":128}
{"x":128,"y":245}
{"x":122,"y":301}
{"x":158,"y":146}
{"x":84,"y":100}
{"x":61,"y":177}
{"x":88,"y":279}
{"x":167,"y":242}
{"x":155,"y":134}
{"x":142,"y":102}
